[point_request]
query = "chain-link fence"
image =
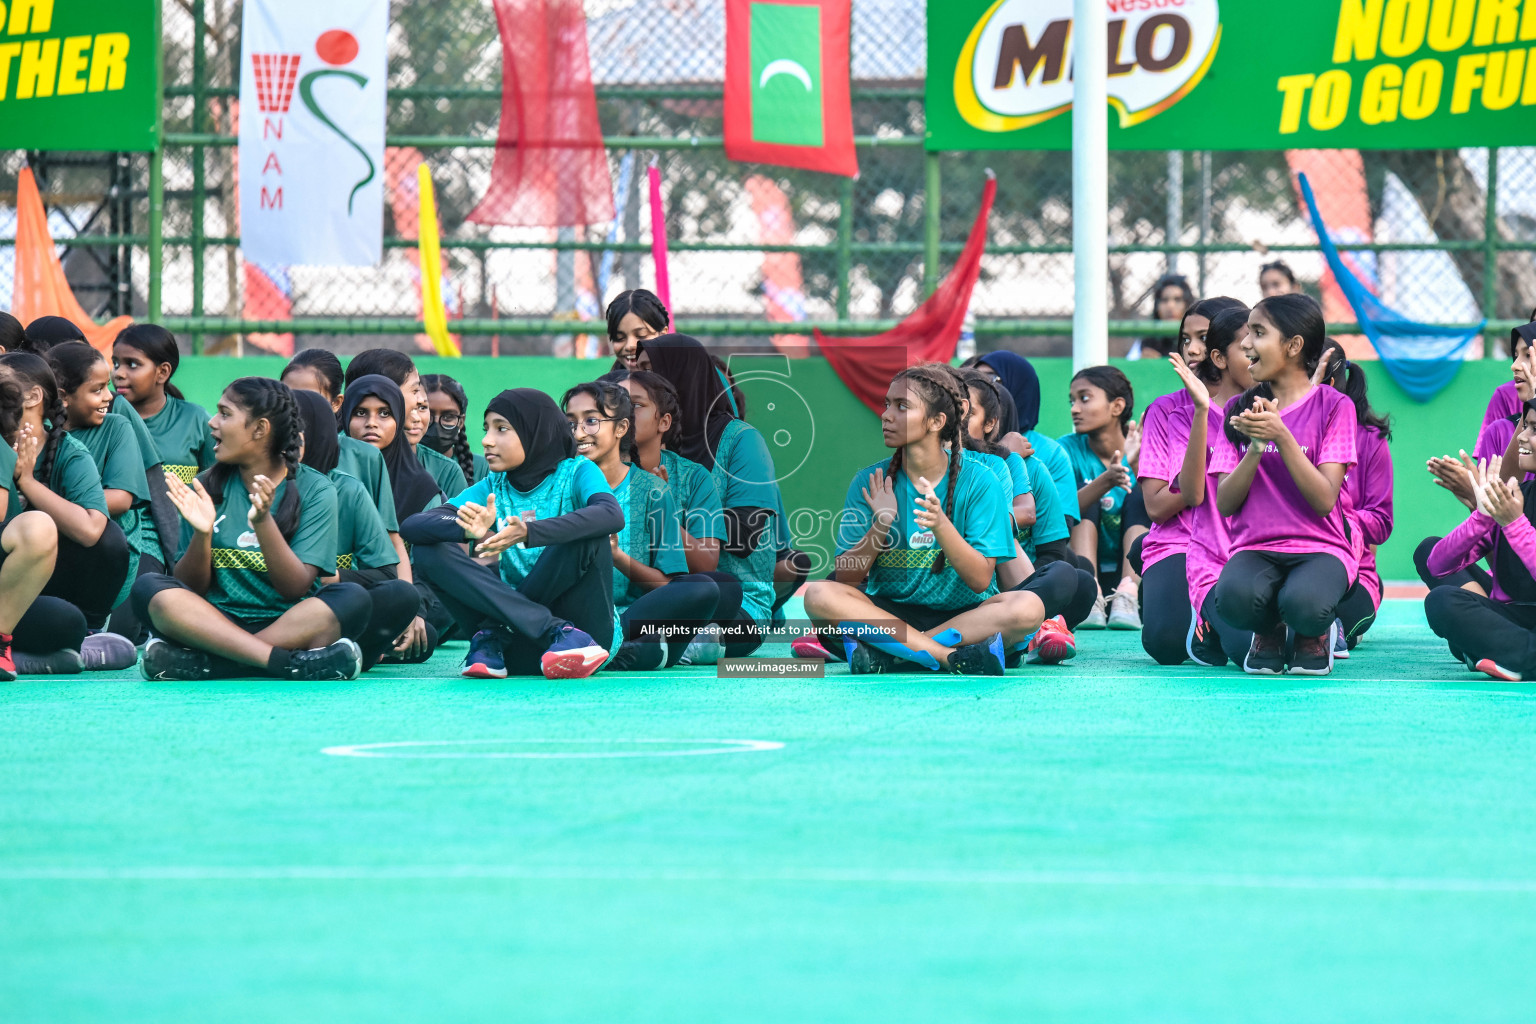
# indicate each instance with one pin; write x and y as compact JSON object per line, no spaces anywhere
{"x":1448,"y":235}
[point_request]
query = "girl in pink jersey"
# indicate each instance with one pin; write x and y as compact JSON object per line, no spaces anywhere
{"x":1368,"y":498}
{"x":1181,"y":557}
{"x":1282,"y":459}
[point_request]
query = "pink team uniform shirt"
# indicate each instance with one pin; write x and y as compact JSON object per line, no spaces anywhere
{"x":1199,"y":533}
{"x":1275,"y":516}
{"x":1368,"y":491}
{"x":1477,"y":537}
{"x":1504,"y":403}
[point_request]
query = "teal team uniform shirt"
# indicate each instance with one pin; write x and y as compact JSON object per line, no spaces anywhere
{"x":181,"y":435}
{"x":365,"y":464}
{"x":1050,"y":522}
{"x":119,"y":460}
{"x":1055,"y":459}
{"x":744,"y":478}
{"x":1085,"y":467}
{"x":694,"y":494}
{"x":361,"y":540}
{"x":447,"y":472}
{"x":651,"y":535}
{"x":904,"y":572}
{"x":239,"y":586}
{"x":482,"y":468}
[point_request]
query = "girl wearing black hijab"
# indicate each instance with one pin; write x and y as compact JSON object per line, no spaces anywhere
{"x":364,"y":553}
{"x":547,"y":606}
{"x":737,"y":456}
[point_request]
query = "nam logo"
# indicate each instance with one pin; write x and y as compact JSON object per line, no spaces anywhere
{"x":1015,"y":69}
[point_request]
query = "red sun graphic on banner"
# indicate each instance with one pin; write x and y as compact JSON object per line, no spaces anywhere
{"x":336,"y":47}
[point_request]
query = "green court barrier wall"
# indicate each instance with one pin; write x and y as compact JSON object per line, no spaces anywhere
{"x":820,"y":434}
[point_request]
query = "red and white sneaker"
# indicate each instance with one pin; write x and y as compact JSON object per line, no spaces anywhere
{"x":809,"y":648}
{"x":7,"y":663}
{"x":1053,"y":643}
{"x":573,"y":655}
{"x":1492,"y":668}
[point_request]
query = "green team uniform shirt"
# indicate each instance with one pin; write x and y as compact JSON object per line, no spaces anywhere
{"x":119,"y":460}
{"x":904,"y":572}
{"x":1050,"y":521}
{"x":447,"y":472}
{"x":8,"y":480}
{"x":651,"y":535}
{"x":694,"y":495}
{"x":744,"y":478}
{"x":1085,"y":467}
{"x":365,"y":464}
{"x":182,"y":437}
{"x":573,"y":483}
{"x":75,"y":476}
{"x":239,"y":586}
{"x":482,"y":468}
{"x":149,"y":534}
{"x":361,"y":540}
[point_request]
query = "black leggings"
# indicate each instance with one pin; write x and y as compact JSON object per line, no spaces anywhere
{"x":395,"y":604}
{"x":741,"y":633}
{"x":348,"y":602}
{"x":50,"y":624}
{"x":90,"y":577}
{"x":1478,"y":627}
{"x":1058,"y":586}
{"x":674,"y":611}
{"x":1473,"y":573}
{"x":124,"y":622}
{"x":1081,"y":603}
{"x":1260,"y":590}
{"x":570,"y":584}
{"x":1357,"y":612}
{"x":1167,"y":617}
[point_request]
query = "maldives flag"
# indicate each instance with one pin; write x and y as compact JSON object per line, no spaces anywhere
{"x":786,"y":84}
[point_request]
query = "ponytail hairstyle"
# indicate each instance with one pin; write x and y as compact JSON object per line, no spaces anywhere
{"x":1349,"y":378}
{"x":386,"y":362}
{"x":32,"y":371}
{"x":325,"y":365}
{"x":643,"y":304}
{"x":613,"y":401}
{"x":1114,"y":384}
{"x":71,"y":363}
{"x":158,"y":346}
{"x":1298,"y":316}
{"x":664,"y":395}
{"x":1226,"y":325}
{"x":940,"y":392}
{"x":988,"y":394}
{"x":262,"y":398}
{"x":963,"y":389}
{"x":443,"y":384}
{"x":11,"y":332}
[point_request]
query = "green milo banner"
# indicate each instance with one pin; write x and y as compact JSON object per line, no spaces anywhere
{"x":80,"y":74}
{"x":1240,"y":74}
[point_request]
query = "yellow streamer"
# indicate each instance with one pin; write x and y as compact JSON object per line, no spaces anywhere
{"x":433,"y":313}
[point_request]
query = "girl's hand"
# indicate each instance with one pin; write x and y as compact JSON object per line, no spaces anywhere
{"x":1502,"y":501}
{"x":29,"y":445}
{"x":929,"y":514}
{"x":413,"y":641}
{"x":1262,"y":422}
{"x":661,"y":471}
{"x":1192,"y":384}
{"x":1321,"y":373}
{"x":1454,"y":476}
{"x":261,"y":494}
{"x":1132,"y":442}
{"x":880,"y":495}
{"x":1117,"y":475}
{"x":192,"y":502}
{"x":477,"y":520}
{"x":513,"y":533}
{"x":1018,"y":444}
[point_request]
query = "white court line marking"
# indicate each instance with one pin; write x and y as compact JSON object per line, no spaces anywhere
{"x":392,"y":750}
{"x":834,"y":876}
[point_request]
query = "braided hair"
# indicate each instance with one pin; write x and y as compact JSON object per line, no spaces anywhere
{"x":262,"y":398}
{"x":32,"y":371}
{"x":441,"y":383}
{"x":987,"y":393}
{"x":935,"y":384}
{"x":614,"y":401}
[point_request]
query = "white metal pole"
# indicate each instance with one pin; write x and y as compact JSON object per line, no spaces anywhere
{"x":1090,"y":182}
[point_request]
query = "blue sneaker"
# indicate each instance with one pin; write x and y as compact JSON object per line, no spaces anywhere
{"x":485,"y":660}
{"x":573,"y":655}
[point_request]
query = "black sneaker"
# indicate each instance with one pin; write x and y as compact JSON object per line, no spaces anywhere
{"x":1266,"y":655}
{"x":868,"y":660}
{"x":1203,"y":645}
{"x":342,"y":660}
{"x":63,"y":662}
{"x":979,"y":659}
{"x":1314,"y":655}
{"x":165,"y":660}
{"x":640,"y":656}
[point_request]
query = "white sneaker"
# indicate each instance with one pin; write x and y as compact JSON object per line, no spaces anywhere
{"x":1096,"y":619}
{"x":705,"y":648}
{"x":1123,"y":613}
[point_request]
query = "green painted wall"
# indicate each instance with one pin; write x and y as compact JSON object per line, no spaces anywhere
{"x":815,"y":424}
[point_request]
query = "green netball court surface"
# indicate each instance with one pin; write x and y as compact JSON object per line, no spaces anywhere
{"x":1095,"y":842}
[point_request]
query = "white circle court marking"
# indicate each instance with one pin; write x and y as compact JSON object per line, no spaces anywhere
{"x":434,"y":749}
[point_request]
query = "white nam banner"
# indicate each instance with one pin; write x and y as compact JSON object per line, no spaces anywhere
{"x":312,"y":88}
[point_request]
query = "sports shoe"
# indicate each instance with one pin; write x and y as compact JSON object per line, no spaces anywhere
{"x":1123,"y":613}
{"x":108,"y":652}
{"x":341,"y":660}
{"x":640,"y":656}
{"x":979,"y":659}
{"x":809,"y":648}
{"x":1052,"y":644}
{"x":572,"y":655}
{"x":868,"y":660}
{"x":484,"y":660}
{"x":1203,"y":644}
{"x":1492,"y":668}
{"x":165,"y":660}
{"x":1097,"y":618}
{"x":1313,"y":655}
{"x":63,"y":662}
{"x":1340,"y":641}
{"x":7,"y":665}
{"x":705,"y":648}
{"x":1266,"y":655}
